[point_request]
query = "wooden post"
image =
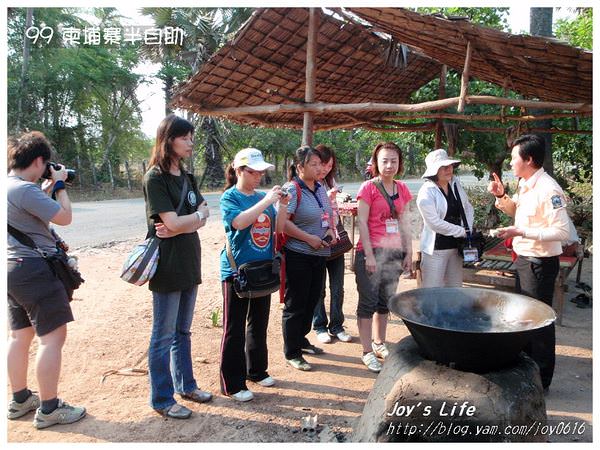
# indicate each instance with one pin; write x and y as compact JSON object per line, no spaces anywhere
{"x":311,"y":55}
{"x":464,"y":81}
{"x":439,"y":128}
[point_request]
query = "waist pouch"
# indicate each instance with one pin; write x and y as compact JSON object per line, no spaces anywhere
{"x":257,"y":278}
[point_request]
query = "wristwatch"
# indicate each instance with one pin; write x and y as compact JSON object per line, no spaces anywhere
{"x":200,"y":215}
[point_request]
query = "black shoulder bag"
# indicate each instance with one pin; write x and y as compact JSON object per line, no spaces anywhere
{"x":58,"y":262}
{"x":256,"y":278}
{"x":474,"y":240}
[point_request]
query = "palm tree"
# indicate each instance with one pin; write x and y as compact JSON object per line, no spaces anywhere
{"x":206,"y":30}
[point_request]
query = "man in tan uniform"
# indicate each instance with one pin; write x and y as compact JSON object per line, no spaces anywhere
{"x":541,"y":223}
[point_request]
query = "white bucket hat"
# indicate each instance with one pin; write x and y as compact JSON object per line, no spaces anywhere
{"x":436,"y":159}
{"x":251,"y":157}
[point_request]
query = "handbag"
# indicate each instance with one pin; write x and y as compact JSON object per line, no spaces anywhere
{"x":474,"y":240}
{"x":256,"y":278}
{"x":58,"y":262}
{"x":343,"y":244}
{"x":141,"y":263}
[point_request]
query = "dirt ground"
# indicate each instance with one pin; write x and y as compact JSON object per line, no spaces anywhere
{"x":112,"y":328}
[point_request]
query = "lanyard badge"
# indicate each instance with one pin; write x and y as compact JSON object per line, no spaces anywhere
{"x":325,"y":220}
{"x":391,"y":226}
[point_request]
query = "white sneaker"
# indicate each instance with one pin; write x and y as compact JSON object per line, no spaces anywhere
{"x":343,"y":336}
{"x":267,"y":382}
{"x":372,"y":362}
{"x":324,"y":337}
{"x":380,"y":350}
{"x":243,"y":396}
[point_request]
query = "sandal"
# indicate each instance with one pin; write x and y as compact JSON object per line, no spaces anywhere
{"x":175,"y":411}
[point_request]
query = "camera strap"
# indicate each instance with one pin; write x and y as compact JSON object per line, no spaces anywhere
{"x":25,"y":240}
{"x":462,"y":213}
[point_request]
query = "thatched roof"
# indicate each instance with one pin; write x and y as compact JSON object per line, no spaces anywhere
{"x":265,"y":64}
{"x":533,"y":66}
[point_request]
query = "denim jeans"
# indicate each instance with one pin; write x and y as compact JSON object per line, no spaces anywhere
{"x":169,"y":355}
{"x":335,"y":269}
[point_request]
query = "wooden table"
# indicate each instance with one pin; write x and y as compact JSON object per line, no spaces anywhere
{"x":497,"y":269}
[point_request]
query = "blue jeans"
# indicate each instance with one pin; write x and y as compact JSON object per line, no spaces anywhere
{"x":335,"y":268}
{"x":169,"y":355}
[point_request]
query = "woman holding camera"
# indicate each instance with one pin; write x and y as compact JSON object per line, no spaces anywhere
{"x":335,"y":267}
{"x":169,"y":188}
{"x":250,"y":221}
{"x":309,"y":227}
{"x":439,"y":201}
{"x":38,"y":303}
{"x":384,"y":249}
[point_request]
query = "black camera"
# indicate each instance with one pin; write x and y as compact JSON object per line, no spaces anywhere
{"x":48,"y":175}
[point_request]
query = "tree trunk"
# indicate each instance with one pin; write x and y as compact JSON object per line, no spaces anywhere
{"x":540,"y":24}
{"x":110,"y":174}
{"x":93,"y":169}
{"x":169,"y":82}
{"x":79,"y":174}
{"x":214,"y":174}
{"x":128,"y":175}
{"x":192,"y":160}
{"x":22,"y":89}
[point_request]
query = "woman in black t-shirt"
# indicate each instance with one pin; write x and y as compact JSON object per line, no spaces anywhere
{"x":175,"y":284}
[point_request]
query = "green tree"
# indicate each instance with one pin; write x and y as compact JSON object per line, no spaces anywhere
{"x":206,"y":30}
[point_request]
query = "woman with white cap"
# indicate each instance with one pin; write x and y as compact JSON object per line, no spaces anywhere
{"x":250,"y":220}
{"x":439,"y":201}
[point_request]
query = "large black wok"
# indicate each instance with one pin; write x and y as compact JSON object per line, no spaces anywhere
{"x":476,"y":330}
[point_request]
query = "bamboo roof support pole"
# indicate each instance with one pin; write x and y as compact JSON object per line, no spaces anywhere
{"x":311,"y":56}
{"x":464,"y":81}
{"x":439,"y":127}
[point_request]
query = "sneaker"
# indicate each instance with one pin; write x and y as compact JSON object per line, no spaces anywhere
{"x":299,"y":363}
{"x":175,"y":411}
{"x":324,"y":337}
{"x":380,"y":350}
{"x":16,"y":409}
{"x":243,"y":396}
{"x":197,"y":396}
{"x":266,"y":382}
{"x":372,"y":362}
{"x":343,"y":336}
{"x":62,"y":415}
{"x":312,"y":350}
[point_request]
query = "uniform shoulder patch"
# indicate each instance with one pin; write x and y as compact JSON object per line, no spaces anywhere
{"x":557,"y":202}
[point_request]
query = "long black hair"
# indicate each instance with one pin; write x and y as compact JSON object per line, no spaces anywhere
{"x":303,"y":154}
{"x":170,"y":128}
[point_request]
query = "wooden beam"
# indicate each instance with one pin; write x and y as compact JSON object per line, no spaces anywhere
{"x":311,"y":66}
{"x":529,"y":130}
{"x":382,"y":107}
{"x":499,"y":118}
{"x":464,"y":80}
{"x":439,"y":129}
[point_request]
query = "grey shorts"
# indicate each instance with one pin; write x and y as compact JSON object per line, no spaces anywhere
{"x":374,"y":290}
{"x":35,"y":296}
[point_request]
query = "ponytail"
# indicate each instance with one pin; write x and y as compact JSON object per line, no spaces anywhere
{"x":230,"y":177}
{"x":292,"y":172}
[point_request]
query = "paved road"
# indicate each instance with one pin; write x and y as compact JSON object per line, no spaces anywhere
{"x":99,"y":223}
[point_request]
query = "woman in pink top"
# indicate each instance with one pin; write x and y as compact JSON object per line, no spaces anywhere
{"x":384,"y":249}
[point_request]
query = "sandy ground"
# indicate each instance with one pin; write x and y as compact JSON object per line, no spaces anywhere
{"x":111,"y":331}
